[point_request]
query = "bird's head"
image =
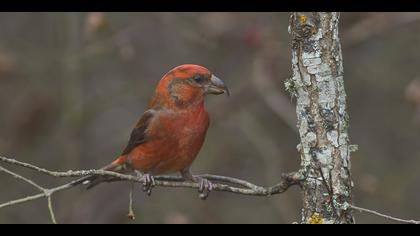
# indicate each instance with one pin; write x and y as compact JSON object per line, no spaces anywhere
{"x":187,"y":85}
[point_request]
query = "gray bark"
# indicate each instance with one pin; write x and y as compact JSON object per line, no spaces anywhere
{"x":318,"y":85}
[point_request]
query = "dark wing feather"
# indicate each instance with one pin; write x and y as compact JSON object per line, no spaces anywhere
{"x":138,"y":135}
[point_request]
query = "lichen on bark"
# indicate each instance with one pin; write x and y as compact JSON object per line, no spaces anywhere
{"x":322,"y":117}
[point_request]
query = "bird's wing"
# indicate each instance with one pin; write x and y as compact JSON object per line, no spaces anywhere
{"x":138,"y":135}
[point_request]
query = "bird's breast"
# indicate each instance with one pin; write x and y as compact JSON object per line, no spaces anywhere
{"x":175,"y":139}
{"x":189,"y":130}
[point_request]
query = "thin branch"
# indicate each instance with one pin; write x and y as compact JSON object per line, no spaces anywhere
{"x":50,"y":208}
{"x":22,"y":200}
{"x":247,"y":188}
{"x":47,"y":193}
{"x":174,"y":181}
{"x":29,"y":166}
{"x":131,"y":214}
{"x":383,"y":215}
{"x":226,"y":184}
{"x":218,"y":178}
{"x":44,"y":190}
{"x":22,"y":178}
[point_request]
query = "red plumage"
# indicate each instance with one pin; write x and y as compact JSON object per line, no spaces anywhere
{"x":171,"y":132}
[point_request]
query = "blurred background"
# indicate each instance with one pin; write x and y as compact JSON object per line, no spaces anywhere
{"x":72,"y":86}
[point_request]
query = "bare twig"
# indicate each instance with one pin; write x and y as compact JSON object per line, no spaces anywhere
{"x":224,"y":183}
{"x":22,"y":178}
{"x":383,"y":215}
{"x":231,"y":185}
{"x":131,"y":214}
{"x":50,"y":208}
{"x":38,"y":196}
{"x":44,"y":190}
{"x":22,"y":200}
{"x":172,"y":181}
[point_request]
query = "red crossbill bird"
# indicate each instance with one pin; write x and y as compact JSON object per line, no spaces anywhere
{"x":170,"y":133}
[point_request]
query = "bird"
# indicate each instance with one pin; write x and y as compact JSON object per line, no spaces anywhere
{"x":170,"y":133}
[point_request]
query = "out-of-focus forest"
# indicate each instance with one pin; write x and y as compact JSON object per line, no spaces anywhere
{"x":72,"y":86}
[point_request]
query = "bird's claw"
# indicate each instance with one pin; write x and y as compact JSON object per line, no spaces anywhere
{"x":148,"y":183}
{"x":204,"y":187}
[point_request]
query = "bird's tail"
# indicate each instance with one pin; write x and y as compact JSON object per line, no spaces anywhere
{"x":119,"y":166}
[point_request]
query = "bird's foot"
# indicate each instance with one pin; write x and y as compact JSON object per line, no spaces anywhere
{"x":148,"y":183}
{"x":204,"y":186}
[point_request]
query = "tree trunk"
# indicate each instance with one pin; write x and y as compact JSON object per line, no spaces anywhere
{"x":324,"y":148}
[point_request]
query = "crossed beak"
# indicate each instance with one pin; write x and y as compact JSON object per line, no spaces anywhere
{"x":217,"y":86}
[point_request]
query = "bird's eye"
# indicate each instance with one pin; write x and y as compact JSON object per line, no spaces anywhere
{"x":198,"y":78}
